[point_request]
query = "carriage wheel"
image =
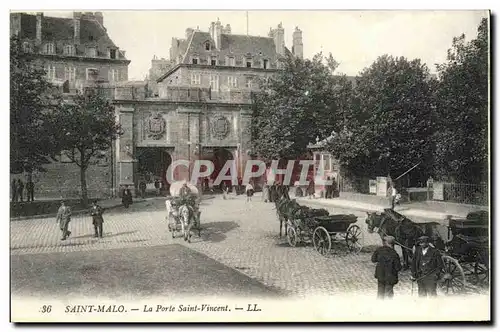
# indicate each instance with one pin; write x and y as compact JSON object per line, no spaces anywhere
{"x":354,"y":239}
{"x":292,"y":236}
{"x":453,"y":279}
{"x":481,"y":270}
{"x":322,"y":241}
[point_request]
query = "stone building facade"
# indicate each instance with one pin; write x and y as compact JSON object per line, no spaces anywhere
{"x":76,"y":53}
{"x":202,"y":109}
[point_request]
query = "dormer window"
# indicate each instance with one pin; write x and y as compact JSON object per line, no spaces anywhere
{"x":194,"y":61}
{"x":112,"y":54}
{"x":69,"y":50}
{"x":207,"y":46}
{"x":91,"y":52}
{"x":265,"y":64}
{"x":213,"y":61}
{"x":249,"y":63}
{"x":48,"y":48}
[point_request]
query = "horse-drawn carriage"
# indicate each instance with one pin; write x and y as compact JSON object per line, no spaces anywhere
{"x":318,"y":226}
{"x":183,"y":213}
{"x":464,"y":248}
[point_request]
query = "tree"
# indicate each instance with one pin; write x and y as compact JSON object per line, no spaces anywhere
{"x":31,"y":98}
{"x":83,"y":128}
{"x":302,"y":101}
{"x":461,"y":137}
{"x":388,"y":127}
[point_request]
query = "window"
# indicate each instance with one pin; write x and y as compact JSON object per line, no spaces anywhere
{"x":112,"y":54}
{"x":195,"y":79}
{"x":213,"y":61}
{"x":207,"y":46}
{"x":214,"y":82}
{"x":26,"y":47}
{"x":249,"y":63}
{"x":91,"y":52}
{"x":68,"y":50}
{"x":70,"y":73}
{"x":232,"y":62}
{"x":49,"y":48}
{"x":248,"y":82}
{"x":113,"y":75}
{"x":51,"y":72}
{"x":92,"y":74}
{"x":266,"y":64}
{"x":194,"y":61}
{"x":232,"y":82}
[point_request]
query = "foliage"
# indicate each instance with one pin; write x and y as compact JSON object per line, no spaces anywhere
{"x":85,"y":127}
{"x":31,"y":98}
{"x":389,"y":126}
{"x":461,"y":137}
{"x":292,"y":108}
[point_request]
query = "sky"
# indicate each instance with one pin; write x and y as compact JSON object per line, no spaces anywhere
{"x":355,"y":38}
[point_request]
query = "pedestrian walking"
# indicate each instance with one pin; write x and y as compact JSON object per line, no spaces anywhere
{"x":387,"y":269}
{"x":335,"y":189}
{"x":157,"y":187}
{"x":96,"y":212}
{"x":394,"y":194}
{"x":20,"y":189}
{"x":426,"y":267}
{"x":142,"y":188}
{"x":63,"y":218}
{"x":211,"y":185}
{"x":249,"y":191}
{"x":13,"y":188}
{"x":126,"y":197}
{"x":30,"y":188}
{"x":328,"y":188}
{"x":310,"y":189}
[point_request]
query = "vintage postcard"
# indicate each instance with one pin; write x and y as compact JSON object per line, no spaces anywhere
{"x":249,"y":166}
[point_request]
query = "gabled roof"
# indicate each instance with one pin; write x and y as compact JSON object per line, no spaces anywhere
{"x":61,"y":30}
{"x":231,"y":45}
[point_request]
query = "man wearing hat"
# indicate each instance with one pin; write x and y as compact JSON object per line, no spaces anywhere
{"x":96,"y":212}
{"x":426,"y":267}
{"x":63,"y":218}
{"x":388,"y":267}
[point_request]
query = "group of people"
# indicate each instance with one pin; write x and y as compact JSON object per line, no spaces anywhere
{"x":426,"y":267}
{"x":63,"y":219}
{"x":17,"y":188}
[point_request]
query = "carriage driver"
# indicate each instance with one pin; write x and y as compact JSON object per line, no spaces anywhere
{"x":426,"y":267}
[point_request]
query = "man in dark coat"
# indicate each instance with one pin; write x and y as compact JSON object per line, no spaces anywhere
{"x":142,"y":188}
{"x":63,"y":218}
{"x":30,"y":188}
{"x":126,"y":197}
{"x":96,"y":212}
{"x":426,"y":267}
{"x":14,"y":190}
{"x":388,"y":267}
{"x":20,"y":189}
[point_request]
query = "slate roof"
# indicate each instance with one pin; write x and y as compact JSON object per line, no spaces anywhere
{"x":231,"y":45}
{"x":61,"y":31}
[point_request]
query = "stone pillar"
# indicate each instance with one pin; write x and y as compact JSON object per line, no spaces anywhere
{"x":125,"y":150}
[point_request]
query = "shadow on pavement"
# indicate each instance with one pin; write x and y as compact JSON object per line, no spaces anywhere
{"x":214,"y":231}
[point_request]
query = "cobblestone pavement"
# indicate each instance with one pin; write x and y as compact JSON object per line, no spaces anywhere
{"x":240,"y":235}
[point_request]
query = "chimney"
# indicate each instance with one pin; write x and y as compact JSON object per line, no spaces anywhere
{"x":39,"y":17}
{"x":77,"y":16}
{"x":99,"y":18}
{"x":189,"y":32}
{"x":298,"y":47}
{"x":218,"y":34}
{"x":278,"y":35}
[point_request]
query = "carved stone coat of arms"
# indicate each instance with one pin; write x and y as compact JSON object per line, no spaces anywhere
{"x":155,"y":126}
{"x":220,"y":127}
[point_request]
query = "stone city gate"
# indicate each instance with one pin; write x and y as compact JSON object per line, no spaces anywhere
{"x":158,"y":132}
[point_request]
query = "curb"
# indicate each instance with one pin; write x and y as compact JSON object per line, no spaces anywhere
{"x":53,"y":215}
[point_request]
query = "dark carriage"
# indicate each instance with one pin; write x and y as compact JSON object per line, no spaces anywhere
{"x":321,"y":228}
{"x":468,"y":245}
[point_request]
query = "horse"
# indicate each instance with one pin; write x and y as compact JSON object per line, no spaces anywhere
{"x":405,"y":232}
{"x":286,"y":210}
{"x":187,"y":215}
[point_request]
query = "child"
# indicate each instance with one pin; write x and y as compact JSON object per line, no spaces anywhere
{"x":249,"y":191}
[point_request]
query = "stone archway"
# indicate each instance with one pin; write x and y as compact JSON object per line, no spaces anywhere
{"x":152,"y":165}
{"x":219,"y":157}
